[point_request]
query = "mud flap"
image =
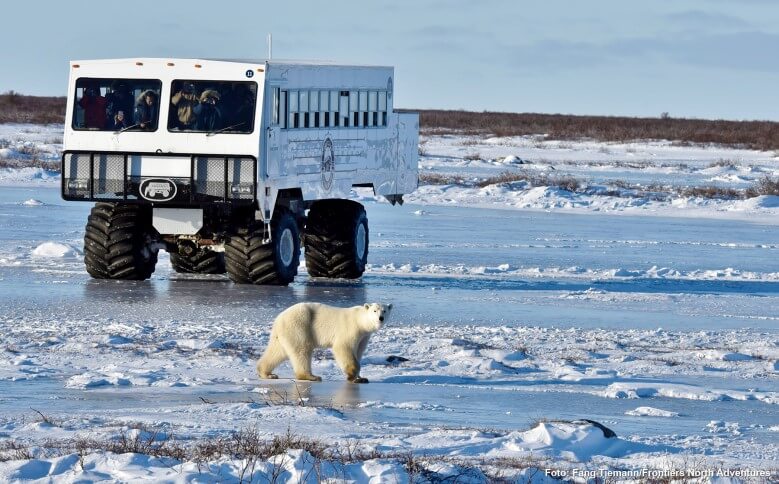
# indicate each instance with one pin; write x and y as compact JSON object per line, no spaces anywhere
{"x":180,"y":221}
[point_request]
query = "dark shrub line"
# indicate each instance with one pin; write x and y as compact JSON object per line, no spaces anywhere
{"x":19,"y":108}
{"x":760,"y":135}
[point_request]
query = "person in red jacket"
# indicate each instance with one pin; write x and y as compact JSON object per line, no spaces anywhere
{"x":93,"y":105}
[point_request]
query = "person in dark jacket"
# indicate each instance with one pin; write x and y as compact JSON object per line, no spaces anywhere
{"x":209,"y":116}
{"x":146,"y":110}
{"x":93,"y":105}
{"x":241,"y":108}
{"x":119,"y":99}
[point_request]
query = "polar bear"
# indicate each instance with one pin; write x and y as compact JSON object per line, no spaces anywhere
{"x":305,"y":326}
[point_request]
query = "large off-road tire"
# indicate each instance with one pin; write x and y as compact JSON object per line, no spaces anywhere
{"x":250,"y":261}
{"x":336,"y":239}
{"x":200,"y":261}
{"x":118,"y":242}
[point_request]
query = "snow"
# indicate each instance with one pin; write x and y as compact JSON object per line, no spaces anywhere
{"x":574,"y":272}
{"x":598,"y":165}
{"x":578,"y":441}
{"x":292,"y":466}
{"x":19,"y":141}
{"x":28,"y":177}
{"x":54,"y":249}
{"x":763,"y":201}
{"x":651,"y":412}
{"x":520,"y":312}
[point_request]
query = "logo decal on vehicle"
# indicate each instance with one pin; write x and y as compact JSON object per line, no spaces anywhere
{"x":328,"y":165}
{"x":158,"y":189}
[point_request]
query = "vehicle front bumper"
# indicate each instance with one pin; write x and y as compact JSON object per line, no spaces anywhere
{"x":147,"y":178}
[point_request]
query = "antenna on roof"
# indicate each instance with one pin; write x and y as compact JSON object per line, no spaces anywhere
{"x":270,"y":46}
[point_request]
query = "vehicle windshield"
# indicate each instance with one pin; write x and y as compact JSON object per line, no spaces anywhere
{"x":116,"y":104}
{"x":212,"y":106}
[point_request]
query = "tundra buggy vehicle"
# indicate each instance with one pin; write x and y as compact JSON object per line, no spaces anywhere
{"x":232,"y":165}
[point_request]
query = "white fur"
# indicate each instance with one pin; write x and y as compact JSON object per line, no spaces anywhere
{"x":298,"y":330}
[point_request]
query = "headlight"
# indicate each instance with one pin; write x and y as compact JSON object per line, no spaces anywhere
{"x":242,"y":188}
{"x":78,"y":184}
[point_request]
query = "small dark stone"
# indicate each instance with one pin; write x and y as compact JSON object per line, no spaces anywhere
{"x":396,"y":359}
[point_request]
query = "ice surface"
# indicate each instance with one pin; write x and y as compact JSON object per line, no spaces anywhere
{"x":658,"y":320}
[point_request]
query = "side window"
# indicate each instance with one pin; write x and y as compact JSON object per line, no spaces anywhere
{"x":324,"y":102}
{"x":283,"y":110}
{"x":303,"y":109}
{"x":364,"y":108}
{"x":333,"y":114}
{"x":343,"y":109}
{"x":382,"y":108}
{"x":276,"y":107}
{"x":313,"y":109}
{"x":354,"y":112}
{"x":294,"y":115}
{"x":372,"y":108}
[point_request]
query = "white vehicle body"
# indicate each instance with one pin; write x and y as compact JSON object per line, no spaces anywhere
{"x":317,"y":130}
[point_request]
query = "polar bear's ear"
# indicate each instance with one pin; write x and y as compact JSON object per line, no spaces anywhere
{"x":367,"y":306}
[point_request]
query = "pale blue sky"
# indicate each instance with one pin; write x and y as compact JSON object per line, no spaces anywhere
{"x":698,"y":58}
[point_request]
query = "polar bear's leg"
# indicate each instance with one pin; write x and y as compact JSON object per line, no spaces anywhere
{"x":272,"y":357}
{"x":361,"y":347}
{"x":348,"y":363}
{"x":300,"y":358}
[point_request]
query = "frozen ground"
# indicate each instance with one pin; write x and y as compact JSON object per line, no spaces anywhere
{"x":512,"y":326}
{"x":602,"y":168}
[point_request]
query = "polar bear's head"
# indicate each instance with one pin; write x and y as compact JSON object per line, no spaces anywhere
{"x":376,"y":315}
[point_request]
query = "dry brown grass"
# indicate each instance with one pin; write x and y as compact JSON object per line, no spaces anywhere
{"x":762,"y":135}
{"x":565,"y":182}
{"x":723,"y":163}
{"x":18,"y":108}
{"x":433,"y":178}
{"x":250,"y":448}
{"x":533,"y":179}
{"x":764,"y":186}
{"x":713,"y":191}
{"x":34,"y":163}
{"x":616,"y":188}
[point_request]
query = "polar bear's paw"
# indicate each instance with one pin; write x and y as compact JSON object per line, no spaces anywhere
{"x":270,"y":376}
{"x":308,"y":377}
{"x":359,"y":379}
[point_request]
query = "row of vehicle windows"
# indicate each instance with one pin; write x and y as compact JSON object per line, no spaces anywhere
{"x":296,"y":109}
{"x":218,"y":106}
{"x":194,"y":106}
